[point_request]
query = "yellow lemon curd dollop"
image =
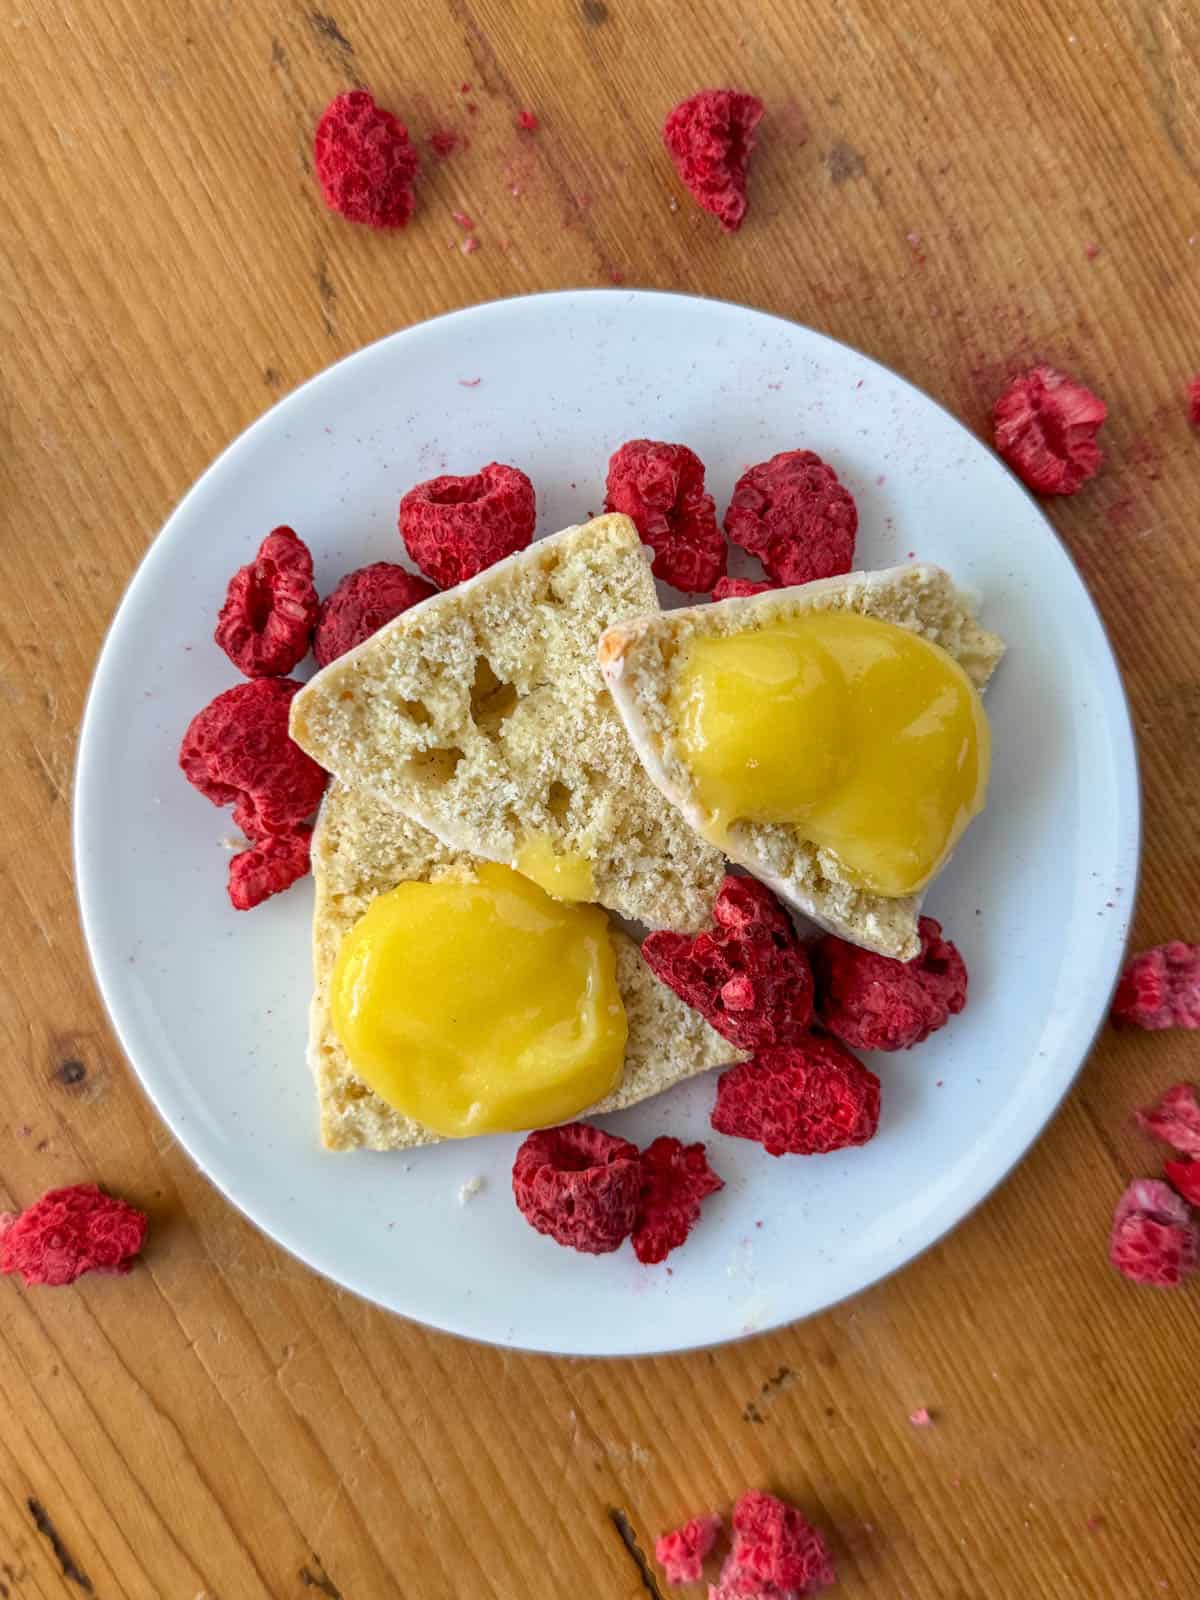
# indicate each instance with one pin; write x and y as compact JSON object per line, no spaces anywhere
{"x":481,"y":1006}
{"x":866,"y":738}
{"x":565,"y":874}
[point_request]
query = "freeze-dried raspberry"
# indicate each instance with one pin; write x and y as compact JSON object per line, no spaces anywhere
{"x":803,"y":1099}
{"x":578,"y":1184}
{"x":873,"y":1003}
{"x":455,"y":527}
{"x":661,"y":487}
{"x":238,"y":752}
{"x":1175,"y":1119}
{"x":676,"y":1177}
{"x":795,"y":516}
{"x":1046,"y":426}
{"x":739,"y":588}
{"x":1184,"y":1178}
{"x":1160,"y":988}
{"x":527,"y":121}
{"x":364,"y":162}
{"x":748,"y":975}
{"x":360,"y":605}
{"x":269,"y":867}
{"x":270,"y":608}
{"x":1154,"y":1239}
{"x":776,"y":1555}
{"x":710,"y":137}
{"x":1193,"y":401}
{"x":69,"y":1232}
{"x":681,"y":1552}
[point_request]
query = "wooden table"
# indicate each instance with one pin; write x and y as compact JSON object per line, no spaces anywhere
{"x":957,"y":188}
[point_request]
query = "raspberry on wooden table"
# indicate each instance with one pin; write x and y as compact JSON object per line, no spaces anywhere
{"x":681,"y":1553}
{"x":69,"y":1232}
{"x":1046,"y":425}
{"x":1154,"y":1239}
{"x":1160,"y":988}
{"x":364,"y":162}
{"x":711,"y":137}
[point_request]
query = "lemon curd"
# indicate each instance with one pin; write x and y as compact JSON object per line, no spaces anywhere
{"x":480,"y":1007}
{"x":866,"y":738}
{"x":564,"y":874}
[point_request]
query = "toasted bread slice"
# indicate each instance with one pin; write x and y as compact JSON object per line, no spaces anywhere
{"x":360,"y":850}
{"x":637,"y":659}
{"x":481,"y":714}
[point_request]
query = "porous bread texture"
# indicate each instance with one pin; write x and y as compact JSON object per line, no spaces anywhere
{"x":637,"y":660}
{"x":359,"y":851}
{"x":481,"y":714}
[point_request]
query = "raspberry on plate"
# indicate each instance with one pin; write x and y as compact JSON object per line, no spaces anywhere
{"x":268,"y":867}
{"x":360,"y":605}
{"x":802,"y":1099}
{"x":580,"y":1185}
{"x":710,"y":137}
{"x":795,"y":516}
{"x":1046,"y":425}
{"x":739,"y":588}
{"x":676,"y":1177}
{"x":270,"y":608}
{"x":873,"y":1003}
{"x":454,"y":527}
{"x":661,"y":488}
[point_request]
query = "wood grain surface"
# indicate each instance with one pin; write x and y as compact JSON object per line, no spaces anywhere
{"x":956,"y":187}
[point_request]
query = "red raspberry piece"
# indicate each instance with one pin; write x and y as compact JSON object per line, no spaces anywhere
{"x":1193,"y":400}
{"x":681,"y":1552}
{"x":578,"y":1184}
{"x":676,"y":1177}
{"x":1154,"y":1239}
{"x":1046,"y":426}
{"x":803,"y":1099}
{"x":360,"y":605}
{"x":269,"y":867}
{"x":738,"y":588}
{"x":527,"y":121}
{"x":237,"y":751}
{"x":1184,"y":1178}
{"x":1160,"y":988}
{"x":270,"y":608}
{"x":748,"y":975}
{"x":795,"y":516}
{"x":661,"y":487}
{"x":1175,"y":1119}
{"x":776,"y":1555}
{"x":873,"y":1003}
{"x":69,"y":1232}
{"x":455,"y":527}
{"x":364,"y":162}
{"x":711,"y":136}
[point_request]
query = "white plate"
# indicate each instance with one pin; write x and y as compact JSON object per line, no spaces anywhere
{"x":211,"y":1005}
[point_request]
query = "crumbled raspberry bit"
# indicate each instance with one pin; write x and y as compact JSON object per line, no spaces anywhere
{"x":455,"y":527}
{"x":681,"y":1552}
{"x":795,"y":516}
{"x":1154,"y":1239}
{"x":748,"y":975}
{"x":527,"y":121}
{"x":711,"y":137}
{"x":1175,"y":1119}
{"x":676,"y":1177}
{"x":1193,"y":401}
{"x":463,"y":220}
{"x":802,"y":1099}
{"x":1184,"y":1178}
{"x":238,"y":752}
{"x":580,"y":1185}
{"x":269,"y":867}
{"x":444,"y":142}
{"x":1046,"y":426}
{"x":270,"y":608}
{"x":661,"y":487}
{"x":739,"y":588}
{"x":873,"y":1003}
{"x":776,"y":1555}
{"x":360,"y":605}
{"x":469,"y":245}
{"x":921,"y":1418}
{"x":1160,"y":988}
{"x":69,"y":1232}
{"x":364,"y":162}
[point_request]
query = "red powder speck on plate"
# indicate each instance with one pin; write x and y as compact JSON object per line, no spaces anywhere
{"x":470,"y":383}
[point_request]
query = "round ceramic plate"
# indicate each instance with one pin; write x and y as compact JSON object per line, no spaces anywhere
{"x":211,"y":1005}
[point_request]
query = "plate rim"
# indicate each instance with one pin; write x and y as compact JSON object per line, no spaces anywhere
{"x":87,"y":755}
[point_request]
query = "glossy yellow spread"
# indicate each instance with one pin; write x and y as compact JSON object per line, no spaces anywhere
{"x":864,"y":737}
{"x":564,"y":874}
{"x":480,"y":1007}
